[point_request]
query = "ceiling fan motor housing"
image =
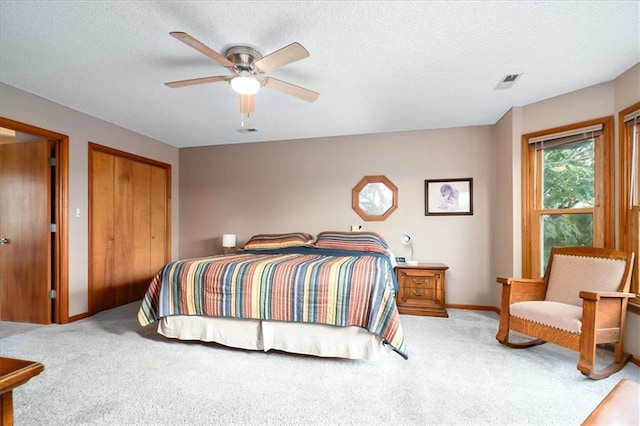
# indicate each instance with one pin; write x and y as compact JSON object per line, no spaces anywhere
{"x":243,"y":57}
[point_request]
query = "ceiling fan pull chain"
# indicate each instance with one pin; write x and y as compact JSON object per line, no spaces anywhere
{"x":241,"y":113}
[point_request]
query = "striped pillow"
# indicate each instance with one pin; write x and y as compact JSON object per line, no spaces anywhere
{"x":277,"y":241}
{"x":356,"y":241}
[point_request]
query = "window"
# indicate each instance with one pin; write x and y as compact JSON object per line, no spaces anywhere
{"x":374,"y":198}
{"x":567,"y":191}
{"x":629,"y":134}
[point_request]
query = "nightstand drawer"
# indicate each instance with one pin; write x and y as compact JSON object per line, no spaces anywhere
{"x":420,"y":293}
{"x":419,"y":281}
{"x":421,"y":289}
{"x":417,"y":278}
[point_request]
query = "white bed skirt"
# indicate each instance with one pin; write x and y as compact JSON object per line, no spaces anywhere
{"x":301,"y":338}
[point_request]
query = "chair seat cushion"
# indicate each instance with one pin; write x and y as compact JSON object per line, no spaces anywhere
{"x":558,"y":315}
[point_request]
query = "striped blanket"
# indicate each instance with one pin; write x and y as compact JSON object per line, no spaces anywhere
{"x":306,"y":286}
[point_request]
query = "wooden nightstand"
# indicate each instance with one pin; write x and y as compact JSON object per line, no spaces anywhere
{"x":421,"y":289}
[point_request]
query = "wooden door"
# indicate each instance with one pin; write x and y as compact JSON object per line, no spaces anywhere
{"x":132,"y":211}
{"x":101,"y":236}
{"x":25,"y":215}
{"x":129,"y":226}
{"x":159,"y":205}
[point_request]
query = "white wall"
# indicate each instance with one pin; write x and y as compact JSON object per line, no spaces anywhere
{"x":81,"y":129}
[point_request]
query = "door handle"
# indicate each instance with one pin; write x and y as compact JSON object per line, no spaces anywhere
{"x":4,"y":241}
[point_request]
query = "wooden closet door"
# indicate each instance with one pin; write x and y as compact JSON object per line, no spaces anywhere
{"x":129,"y":226}
{"x":102,"y":237}
{"x":132,"y":249}
{"x":159,"y":251}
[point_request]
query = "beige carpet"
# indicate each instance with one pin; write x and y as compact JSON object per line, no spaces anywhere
{"x":9,"y":328}
{"x":108,"y":370}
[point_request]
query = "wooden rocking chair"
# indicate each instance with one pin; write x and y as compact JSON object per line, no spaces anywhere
{"x":579,"y":303}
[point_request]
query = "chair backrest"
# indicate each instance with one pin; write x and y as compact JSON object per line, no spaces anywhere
{"x":575,"y":269}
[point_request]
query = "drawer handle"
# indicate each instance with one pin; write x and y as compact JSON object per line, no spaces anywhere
{"x":421,"y":294}
{"x":419,"y":280}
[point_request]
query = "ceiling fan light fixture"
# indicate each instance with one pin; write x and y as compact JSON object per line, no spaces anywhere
{"x":245,"y":84}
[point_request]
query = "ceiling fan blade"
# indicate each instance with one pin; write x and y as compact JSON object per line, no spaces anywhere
{"x":290,"y":89}
{"x":192,"y":81}
{"x":201,"y":47}
{"x":286,"y":55}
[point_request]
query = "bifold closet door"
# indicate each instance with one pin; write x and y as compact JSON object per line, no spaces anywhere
{"x":159,"y":244}
{"x":132,"y":235}
{"x":129,"y":230}
{"x":101,"y":238}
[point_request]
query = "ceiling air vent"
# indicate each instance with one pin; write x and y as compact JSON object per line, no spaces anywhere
{"x":508,"y":80}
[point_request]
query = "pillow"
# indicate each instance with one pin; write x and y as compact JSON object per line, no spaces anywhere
{"x":277,"y":241}
{"x":357,"y":241}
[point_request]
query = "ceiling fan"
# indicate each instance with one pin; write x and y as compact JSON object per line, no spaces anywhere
{"x":247,"y":65}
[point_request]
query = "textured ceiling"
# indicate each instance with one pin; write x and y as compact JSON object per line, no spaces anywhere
{"x":378,"y":66}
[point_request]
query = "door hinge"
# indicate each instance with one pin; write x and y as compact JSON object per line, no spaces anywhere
{"x":52,"y":294}
{"x":52,"y":161}
{"x":52,"y":227}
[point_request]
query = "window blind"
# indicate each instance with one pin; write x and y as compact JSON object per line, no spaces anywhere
{"x":632,"y":118}
{"x":553,"y":140}
{"x":568,"y":136}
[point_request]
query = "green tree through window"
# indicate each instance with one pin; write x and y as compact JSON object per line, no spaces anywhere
{"x":568,"y":183}
{"x":567,"y":190}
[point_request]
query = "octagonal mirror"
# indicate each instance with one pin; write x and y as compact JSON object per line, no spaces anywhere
{"x":374,"y":198}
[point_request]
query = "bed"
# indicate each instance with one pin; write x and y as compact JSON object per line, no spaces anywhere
{"x":329,"y":296}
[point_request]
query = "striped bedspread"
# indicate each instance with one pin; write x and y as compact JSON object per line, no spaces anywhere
{"x":341,"y":290}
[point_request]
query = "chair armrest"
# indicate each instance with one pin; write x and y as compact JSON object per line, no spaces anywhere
{"x":603,"y":310}
{"x":510,"y":280}
{"x":522,"y":289}
{"x":597,"y":295}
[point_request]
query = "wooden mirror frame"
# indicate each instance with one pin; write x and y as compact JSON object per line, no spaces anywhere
{"x":355,"y":197}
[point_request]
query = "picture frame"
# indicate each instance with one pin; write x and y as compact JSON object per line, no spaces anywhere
{"x":448,"y":197}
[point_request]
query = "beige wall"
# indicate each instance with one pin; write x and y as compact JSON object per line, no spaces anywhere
{"x":81,"y":128}
{"x":627,"y":93}
{"x":507,"y":221}
{"x":305,"y":185}
{"x":627,"y":89}
{"x":586,"y":104}
{"x":601,"y":100}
